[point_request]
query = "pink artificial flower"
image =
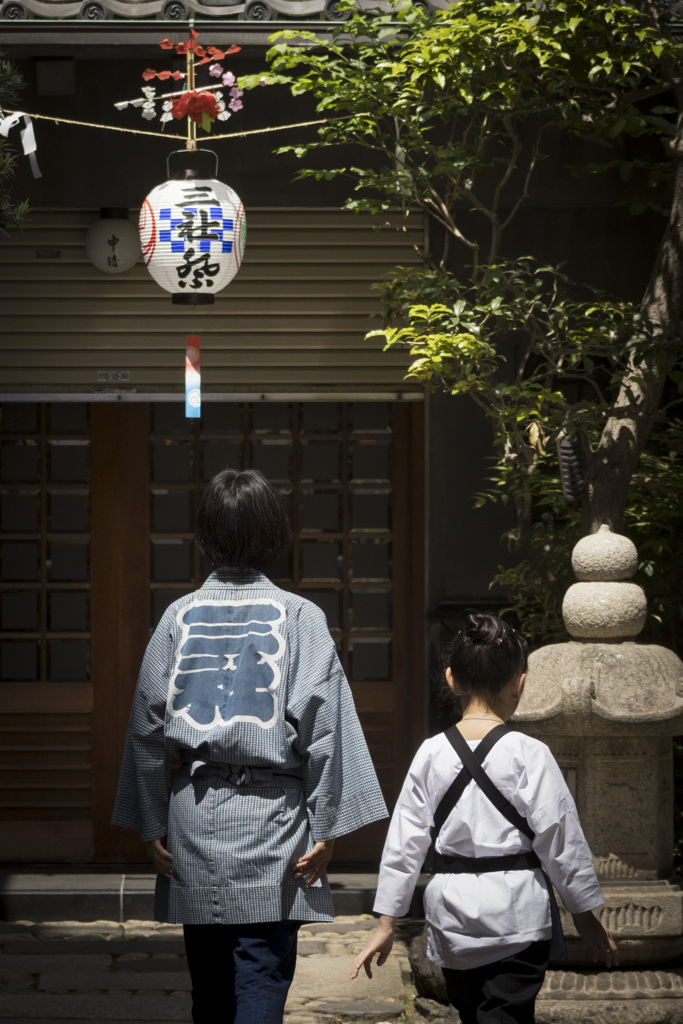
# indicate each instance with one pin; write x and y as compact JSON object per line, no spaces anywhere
{"x":235,"y":104}
{"x":215,"y":70}
{"x":262,"y":81}
{"x":235,"y":93}
{"x":228,"y":78}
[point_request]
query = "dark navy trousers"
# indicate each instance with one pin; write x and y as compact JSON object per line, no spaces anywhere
{"x":240,"y":973}
{"x":503,"y":992}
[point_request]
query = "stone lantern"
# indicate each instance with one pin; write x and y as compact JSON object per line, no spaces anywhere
{"x":608,"y":707}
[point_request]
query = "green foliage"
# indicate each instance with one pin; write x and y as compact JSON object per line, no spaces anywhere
{"x":654,"y":521}
{"x":452,"y":109}
{"x":11,"y":211}
{"x":541,"y":355}
{"x":452,"y":114}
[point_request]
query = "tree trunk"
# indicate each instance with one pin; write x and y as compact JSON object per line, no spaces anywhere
{"x":635,"y":410}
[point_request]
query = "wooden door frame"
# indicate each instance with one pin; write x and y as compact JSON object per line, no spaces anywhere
{"x":408,"y":530}
{"x":120,"y":603}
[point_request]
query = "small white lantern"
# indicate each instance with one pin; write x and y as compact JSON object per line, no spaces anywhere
{"x":112,"y":243}
{"x":193,"y":234}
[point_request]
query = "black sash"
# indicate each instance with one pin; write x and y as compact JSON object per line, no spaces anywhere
{"x":472,"y":770}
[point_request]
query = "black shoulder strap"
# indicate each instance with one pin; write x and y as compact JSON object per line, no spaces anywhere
{"x":463,"y":778}
{"x":472,"y":769}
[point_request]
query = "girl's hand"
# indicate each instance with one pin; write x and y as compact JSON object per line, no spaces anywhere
{"x":381,"y":942}
{"x":161,"y":858}
{"x":597,"y":938}
{"x":315,"y":862}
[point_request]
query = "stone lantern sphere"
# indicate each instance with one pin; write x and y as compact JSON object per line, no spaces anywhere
{"x":601,"y":605}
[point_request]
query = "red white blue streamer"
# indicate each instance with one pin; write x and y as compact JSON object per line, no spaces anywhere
{"x":193,"y":379}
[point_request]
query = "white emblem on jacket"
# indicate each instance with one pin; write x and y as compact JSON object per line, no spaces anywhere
{"x":228,"y":664}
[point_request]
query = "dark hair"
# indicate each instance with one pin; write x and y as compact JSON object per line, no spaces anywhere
{"x":242,"y":521}
{"x":484,"y":655}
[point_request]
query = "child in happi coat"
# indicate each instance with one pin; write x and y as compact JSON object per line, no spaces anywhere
{"x":492,"y":922}
{"x":242,"y":684}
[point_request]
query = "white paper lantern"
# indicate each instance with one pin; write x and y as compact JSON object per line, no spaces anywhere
{"x":193,"y":234}
{"x":112,"y":243}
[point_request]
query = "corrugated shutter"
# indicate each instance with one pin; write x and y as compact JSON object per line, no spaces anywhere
{"x":295,"y":317}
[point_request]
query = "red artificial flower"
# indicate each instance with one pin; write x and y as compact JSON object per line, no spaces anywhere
{"x":179,"y":106}
{"x":194,"y":33}
{"x":233,"y":49}
{"x":216,"y":53}
{"x":177,"y":75}
{"x":166,"y":44}
{"x":149,"y":74}
{"x":163,"y":75}
{"x":181,"y":47}
{"x":194,"y":105}
{"x":200,"y":103}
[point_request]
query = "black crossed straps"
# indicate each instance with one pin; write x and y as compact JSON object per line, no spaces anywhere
{"x":472,"y":770}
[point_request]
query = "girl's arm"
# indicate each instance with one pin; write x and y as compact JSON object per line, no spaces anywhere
{"x":381,"y":942}
{"x":597,"y":938}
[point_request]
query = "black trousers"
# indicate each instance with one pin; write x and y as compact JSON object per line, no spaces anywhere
{"x":240,"y":973}
{"x":503,"y":992}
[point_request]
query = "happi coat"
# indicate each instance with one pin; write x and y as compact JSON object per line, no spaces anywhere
{"x":241,"y":678}
{"x":476,"y":918}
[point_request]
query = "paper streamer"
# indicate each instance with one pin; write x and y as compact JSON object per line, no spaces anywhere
{"x":193,"y":380}
{"x":28,"y":139}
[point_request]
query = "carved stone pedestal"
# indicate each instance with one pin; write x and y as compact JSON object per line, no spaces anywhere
{"x":608,"y":707}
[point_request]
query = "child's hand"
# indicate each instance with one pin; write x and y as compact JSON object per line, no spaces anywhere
{"x":314,"y":862}
{"x":161,"y":858}
{"x":597,"y":938}
{"x":381,"y":942}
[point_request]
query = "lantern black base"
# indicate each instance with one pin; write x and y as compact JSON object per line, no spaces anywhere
{"x":182,"y":299}
{"x":191,"y":164}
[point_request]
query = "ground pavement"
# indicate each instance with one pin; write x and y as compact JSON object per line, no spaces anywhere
{"x":135,"y":972}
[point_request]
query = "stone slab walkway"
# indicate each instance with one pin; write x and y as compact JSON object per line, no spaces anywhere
{"x":71,"y":973}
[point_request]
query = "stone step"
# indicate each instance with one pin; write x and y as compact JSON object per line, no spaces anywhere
{"x":90,"y":896}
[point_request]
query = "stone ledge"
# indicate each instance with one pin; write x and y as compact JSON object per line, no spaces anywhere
{"x":613,"y":985}
{"x":659,"y":1011}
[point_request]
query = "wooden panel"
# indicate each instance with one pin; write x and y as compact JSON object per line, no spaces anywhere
{"x":45,"y":772}
{"x":62,"y":697}
{"x":52,"y":841}
{"x":297,"y":313}
{"x":372,"y":696}
{"x":120,"y":604}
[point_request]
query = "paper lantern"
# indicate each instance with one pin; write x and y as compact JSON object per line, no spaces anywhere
{"x":112,"y":243}
{"x":193,"y":233}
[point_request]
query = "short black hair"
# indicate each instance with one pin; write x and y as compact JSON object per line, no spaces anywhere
{"x":242,"y":521}
{"x":484,"y":655}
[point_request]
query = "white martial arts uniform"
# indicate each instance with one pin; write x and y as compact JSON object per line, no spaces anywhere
{"x":475,"y":919}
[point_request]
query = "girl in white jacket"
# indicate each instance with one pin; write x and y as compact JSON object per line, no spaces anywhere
{"x":490,"y":911}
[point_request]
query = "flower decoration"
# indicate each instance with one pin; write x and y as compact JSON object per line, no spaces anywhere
{"x":202,"y":105}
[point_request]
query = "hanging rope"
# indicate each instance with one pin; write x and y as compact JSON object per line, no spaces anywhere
{"x":208,"y":138}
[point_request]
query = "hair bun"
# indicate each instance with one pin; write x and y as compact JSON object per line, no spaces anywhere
{"x":483,"y":628}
